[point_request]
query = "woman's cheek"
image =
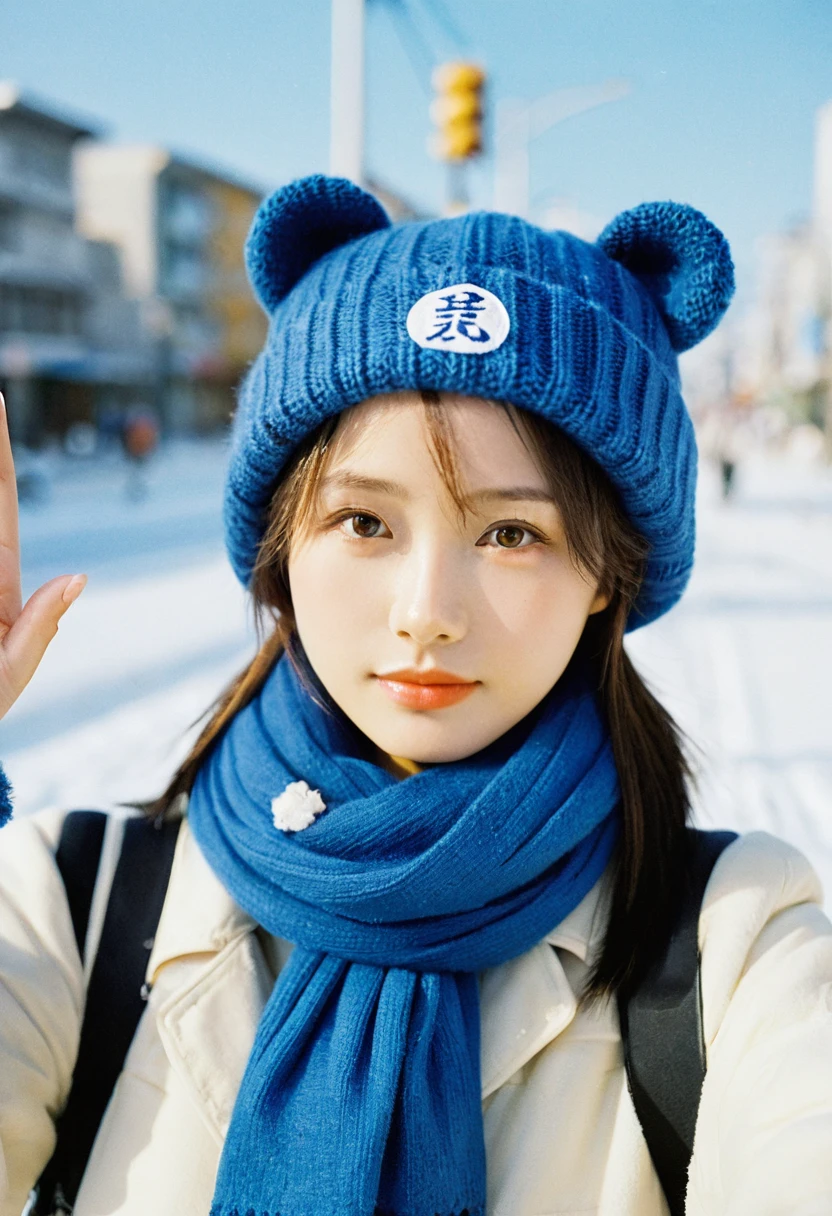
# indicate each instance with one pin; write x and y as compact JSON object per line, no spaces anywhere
{"x":521,"y":600}
{"x":346,"y":595}
{"x":542,"y":617}
{"x":355,"y":583}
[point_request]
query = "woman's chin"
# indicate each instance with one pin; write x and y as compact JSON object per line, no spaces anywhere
{"x":428,"y":742}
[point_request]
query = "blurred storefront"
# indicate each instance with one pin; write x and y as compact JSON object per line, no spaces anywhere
{"x":122,"y":280}
{"x":180,"y":228}
{"x":71,"y":345}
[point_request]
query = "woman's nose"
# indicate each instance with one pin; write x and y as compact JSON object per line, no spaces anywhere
{"x":428,"y":599}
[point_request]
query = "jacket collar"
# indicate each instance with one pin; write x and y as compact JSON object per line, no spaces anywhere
{"x":208,"y":984}
{"x":199,"y":917}
{"x":528,"y":1001}
{"x":582,"y":931}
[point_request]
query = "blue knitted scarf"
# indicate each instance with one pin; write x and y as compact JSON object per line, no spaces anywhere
{"x":362,"y":1090}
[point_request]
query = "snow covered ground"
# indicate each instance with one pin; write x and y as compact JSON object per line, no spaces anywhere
{"x":744,"y":662}
{"x":161,"y":627}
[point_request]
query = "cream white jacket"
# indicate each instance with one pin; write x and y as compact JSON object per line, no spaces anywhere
{"x":562,"y":1136}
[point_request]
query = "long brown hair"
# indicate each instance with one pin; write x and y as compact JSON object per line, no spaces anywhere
{"x":649,"y":865}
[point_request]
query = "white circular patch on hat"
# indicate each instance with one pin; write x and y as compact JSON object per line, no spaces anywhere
{"x":463,"y":318}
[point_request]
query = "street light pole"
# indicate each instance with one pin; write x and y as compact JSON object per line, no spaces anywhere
{"x":346,"y":150}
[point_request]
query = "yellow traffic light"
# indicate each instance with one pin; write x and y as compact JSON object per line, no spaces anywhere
{"x":457,"y":111}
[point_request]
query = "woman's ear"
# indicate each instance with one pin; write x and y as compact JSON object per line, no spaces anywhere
{"x":682,"y":259}
{"x":298,"y":224}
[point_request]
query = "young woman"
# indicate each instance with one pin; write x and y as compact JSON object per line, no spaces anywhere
{"x":439,"y":824}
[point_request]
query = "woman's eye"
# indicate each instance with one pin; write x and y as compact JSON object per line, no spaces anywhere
{"x":509,"y":536}
{"x":363,"y":525}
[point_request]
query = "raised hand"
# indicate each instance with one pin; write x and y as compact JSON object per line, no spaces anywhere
{"x":25,"y":632}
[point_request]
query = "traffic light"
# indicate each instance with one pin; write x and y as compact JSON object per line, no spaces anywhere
{"x":457,"y":111}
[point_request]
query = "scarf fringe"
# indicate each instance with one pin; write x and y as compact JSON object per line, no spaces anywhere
{"x":218,"y":1210}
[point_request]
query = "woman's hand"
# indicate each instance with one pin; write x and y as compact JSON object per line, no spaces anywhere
{"x":25,"y":632}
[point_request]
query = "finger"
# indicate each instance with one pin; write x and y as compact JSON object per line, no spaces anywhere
{"x":25,"y":643}
{"x":10,"y":598}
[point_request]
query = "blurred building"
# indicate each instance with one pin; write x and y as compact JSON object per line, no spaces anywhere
{"x":775,"y":348}
{"x":565,"y":216}
{"x":822,"y":201}
{"x":794,"y":300}
{"x":180,"y":228}
{"x":791,"y":307}
{"x":822,"y":225}
{"x":70,"y":344}
{"x":397,"y":207}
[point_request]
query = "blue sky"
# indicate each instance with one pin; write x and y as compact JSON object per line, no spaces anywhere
{"x":720,"y":114}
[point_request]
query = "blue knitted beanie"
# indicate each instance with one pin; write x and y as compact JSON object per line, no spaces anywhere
{"x":491,"y":306}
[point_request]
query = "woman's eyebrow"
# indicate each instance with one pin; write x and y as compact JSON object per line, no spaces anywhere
{"x":513,"y":494}
{"x":358,"y":481}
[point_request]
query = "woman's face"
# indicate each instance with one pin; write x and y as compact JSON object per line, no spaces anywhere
{"x":388,"y":578}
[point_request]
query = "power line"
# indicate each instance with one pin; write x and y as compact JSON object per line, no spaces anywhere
{"x":420,"y":55}
{"x":442,"y":17}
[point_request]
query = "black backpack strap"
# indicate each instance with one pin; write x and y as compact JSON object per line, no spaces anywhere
{"x":661,"y":1030}
{"x":78,"y":856}
{"x":115,"y":999}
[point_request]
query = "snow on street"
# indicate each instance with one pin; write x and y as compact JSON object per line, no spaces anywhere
{"x":744,"y":662}
{"x":160,"y":629}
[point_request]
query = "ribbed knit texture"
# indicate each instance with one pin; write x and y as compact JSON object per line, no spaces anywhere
{"x":5,"y":798}
{"x":682,"y":260}
{"x":362,"y":1091}
{"x":592,"y":343}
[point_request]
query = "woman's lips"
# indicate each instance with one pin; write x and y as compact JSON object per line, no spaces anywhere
{"x":425,"y":696}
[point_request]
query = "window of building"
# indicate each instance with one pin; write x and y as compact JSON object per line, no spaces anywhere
{"x":42,"y":159}
{"x":8,"y":228}
{"x":187,"y":215}
{"x":195,"y":327}
{"x":185,"y":270}
{"x":40,"y":310}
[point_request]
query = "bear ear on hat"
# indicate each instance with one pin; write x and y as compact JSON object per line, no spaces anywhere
{"x":298,"y":224}
{"x":682,"y":259}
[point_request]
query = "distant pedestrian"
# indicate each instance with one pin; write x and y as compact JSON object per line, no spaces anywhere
{"x":139,"y":439}
{"x":727,"y":436}
{"x":727,"y":469}
{"x":436,"y":938}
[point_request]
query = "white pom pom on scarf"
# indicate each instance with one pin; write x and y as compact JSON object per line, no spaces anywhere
{"x":296,"y":807}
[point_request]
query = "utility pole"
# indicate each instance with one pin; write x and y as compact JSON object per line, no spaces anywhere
{"x":346,"y":149}
{"x":520,"y":122}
